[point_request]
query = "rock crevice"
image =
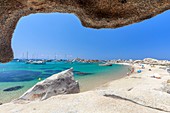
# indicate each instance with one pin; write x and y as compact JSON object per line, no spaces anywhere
{"x":133,"y":101}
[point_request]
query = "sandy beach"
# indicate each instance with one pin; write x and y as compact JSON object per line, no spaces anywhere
{"x":84,"y":56}
{"x":144,"y":92}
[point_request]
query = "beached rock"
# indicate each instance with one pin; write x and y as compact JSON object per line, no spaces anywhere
{"x":92,"y":13}
{"x":61,"y":83}
{"x":167,"y":88}
{"x":150,"y":61}
{"x":155,"y":61}
{"x":168,"y":81}
{"x":168,"y":91}
{"x":0,"y":103}
{"x":168,"y":70}
{"x":13,"y":88}
{"x":138,"y":61}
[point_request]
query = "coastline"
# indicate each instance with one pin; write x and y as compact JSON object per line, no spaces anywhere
{"x":142,"y":88}
{"x":117,"y":77}
{"x":86,"y":82}
{"x":137,"y":93}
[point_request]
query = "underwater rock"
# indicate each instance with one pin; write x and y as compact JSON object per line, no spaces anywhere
{"x":92,"y":13}
{"x":61,"y":83}
{"x":13,"y":88}
{"x":82,"y":73}
{"x":19,"y":76}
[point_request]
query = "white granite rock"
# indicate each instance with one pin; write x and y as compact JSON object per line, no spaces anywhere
{"x":61,"y":83}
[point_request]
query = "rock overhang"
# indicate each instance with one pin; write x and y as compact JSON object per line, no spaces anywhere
{"x":92,"y":13}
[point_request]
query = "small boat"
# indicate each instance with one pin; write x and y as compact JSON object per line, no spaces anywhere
{"x":36,"y":62}
{"x":29,"y":62}
{"x":18,"y":60}
{"x":39,"y":62}
{"x":106,"y":64}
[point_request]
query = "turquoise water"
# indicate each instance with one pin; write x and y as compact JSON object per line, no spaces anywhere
{"x":89,"y":75}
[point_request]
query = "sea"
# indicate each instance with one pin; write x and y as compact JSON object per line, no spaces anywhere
{"x":89,"y":75}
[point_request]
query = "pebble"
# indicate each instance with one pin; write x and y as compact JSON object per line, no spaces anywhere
{"x":168,"y":81}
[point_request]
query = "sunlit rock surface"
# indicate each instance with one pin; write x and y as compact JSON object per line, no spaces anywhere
{"x":92,"y":13}
{"x":61,"y":83}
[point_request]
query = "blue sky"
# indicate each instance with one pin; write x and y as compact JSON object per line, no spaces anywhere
{"x":47,"y":35}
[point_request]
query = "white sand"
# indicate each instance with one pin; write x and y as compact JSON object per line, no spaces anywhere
{"x":137,"y":93}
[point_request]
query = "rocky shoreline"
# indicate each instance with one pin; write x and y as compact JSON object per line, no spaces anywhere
{"x":149,"y":61}
{"x":144,"y":91}
{"x":61,"y":83}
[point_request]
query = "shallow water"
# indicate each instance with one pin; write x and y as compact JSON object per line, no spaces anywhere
{"x":89,"y":75}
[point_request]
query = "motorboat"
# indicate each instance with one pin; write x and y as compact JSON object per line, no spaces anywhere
{"x":105,"y":64}
{"x":39,"y":62}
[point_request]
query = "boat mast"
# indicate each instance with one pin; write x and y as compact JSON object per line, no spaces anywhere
{"x":27,"y":55}
{"x":55,"y":57}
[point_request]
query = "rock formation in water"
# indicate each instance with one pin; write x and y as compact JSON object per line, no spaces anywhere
{"x":92,"y":13}
{"x":13,"y":88}
{"x":61,"y":83}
